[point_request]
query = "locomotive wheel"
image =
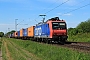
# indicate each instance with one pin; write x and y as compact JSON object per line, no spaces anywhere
{"x":40,"y":40}
{"x":62,"y":42}
{"x":48,"y":41}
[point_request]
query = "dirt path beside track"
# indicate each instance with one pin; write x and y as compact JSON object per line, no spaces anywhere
{"x":0,"y":49}
{"x":9,"y":46}
{"x":0,"y":55}
{"x":28,"y":55}
{"x":8,"y":56}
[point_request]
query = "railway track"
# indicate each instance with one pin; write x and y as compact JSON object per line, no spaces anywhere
{"x":80,"y":46}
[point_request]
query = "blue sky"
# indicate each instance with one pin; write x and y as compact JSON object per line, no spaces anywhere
{"x":27,"y":11}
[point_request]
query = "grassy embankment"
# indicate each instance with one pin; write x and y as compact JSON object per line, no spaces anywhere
{"x":42,"y":51}
{"x":0,"y":43}
{"x":80,"y":37}
{"x":12,"y":51}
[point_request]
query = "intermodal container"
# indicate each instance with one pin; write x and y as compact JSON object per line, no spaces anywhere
{"x":25,"y":32}
{"x":18,"y":33}
{"x":15,"y":34}
{"x":31,"y":31}
{"x":21,"y":33}
{"x":42,"y":31}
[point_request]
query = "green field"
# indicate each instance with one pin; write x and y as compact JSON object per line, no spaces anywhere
{"x":0,"y":43}
{"x":85,"y":37}
{"x":29,"y":50}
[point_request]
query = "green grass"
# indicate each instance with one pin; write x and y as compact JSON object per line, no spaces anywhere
{"x":16,"y":55}
{"x":15,"y":52}
{"x":4,"y":53}
{"x":85,"y":37}
{"x":0,"y":43}
{"x":49,"y":52}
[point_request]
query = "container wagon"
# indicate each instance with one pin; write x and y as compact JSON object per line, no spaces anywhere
{"x":30,"y":32}
{"x":15,"y":34}
{"x":25,"y":34}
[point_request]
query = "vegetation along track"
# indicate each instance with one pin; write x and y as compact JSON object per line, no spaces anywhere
{"x":8,"y":56}
{"x":14,"y":52}
{"x":81,"y":46}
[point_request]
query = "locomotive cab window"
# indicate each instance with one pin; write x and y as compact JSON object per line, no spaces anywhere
{"x":59,"y":25}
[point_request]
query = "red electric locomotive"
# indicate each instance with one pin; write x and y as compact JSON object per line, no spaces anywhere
{"x":58,"y":30}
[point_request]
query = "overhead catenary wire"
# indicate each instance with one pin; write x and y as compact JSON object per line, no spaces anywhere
{"x":35,"y":19}
{"x":66,"y":12}
{"x":75,"y":9}
{"x":44,"y":10}
{"x":52,"y":9}
{"x":56,"y":7}
{"x":20,"y":22}
{"x":80,"y":2}
{"x":73,"y":6}
{"x":50,"y":5}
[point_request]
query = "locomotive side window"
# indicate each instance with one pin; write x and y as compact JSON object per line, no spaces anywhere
{"x":59,"y":25}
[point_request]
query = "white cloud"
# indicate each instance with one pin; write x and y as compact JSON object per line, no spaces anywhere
{"x":59,"y":13}
{"x":68,"y":14}
{"x":4,"y":27}
{"x":6,"y":24}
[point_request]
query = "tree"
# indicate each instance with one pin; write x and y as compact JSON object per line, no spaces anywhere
{"x":84,"y":27}
{"x":1,"y":34}
{"x":72,"y":31}
{"x":9,"y":33}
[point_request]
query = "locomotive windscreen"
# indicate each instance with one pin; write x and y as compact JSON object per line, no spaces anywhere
{"x":58,"y":25}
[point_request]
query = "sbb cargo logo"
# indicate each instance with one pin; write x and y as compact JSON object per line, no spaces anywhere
{"x":38,"y":31}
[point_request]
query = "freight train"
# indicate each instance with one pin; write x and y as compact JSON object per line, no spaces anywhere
{"x":53,"y":30}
